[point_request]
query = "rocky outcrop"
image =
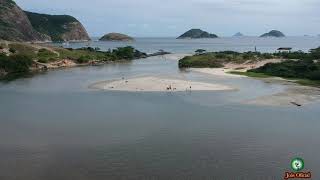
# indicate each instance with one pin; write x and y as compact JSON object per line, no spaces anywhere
{"x":196,"y":34}
{"x":15,"y":25}
{"x":18,"y":25}
{"x":58,"y":27}
{"x":273,"y":33}
{"x":116,"y":37}
{"x":239,"y":34}
{"x":76,"y":32}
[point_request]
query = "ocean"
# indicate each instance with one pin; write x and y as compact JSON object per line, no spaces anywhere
{"x":240,"y":44}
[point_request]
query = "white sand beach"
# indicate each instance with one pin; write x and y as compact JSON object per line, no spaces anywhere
{"x":157,"y":84}
{"x":293,"y":94}
{"x":216,"y":71}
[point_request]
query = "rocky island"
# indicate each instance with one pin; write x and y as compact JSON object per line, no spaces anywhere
{"x":273,"y":33}
{"x":19,"y":25}
{"x":238,"y":34}
{"x":116,"y":37}
{"x":196,"y":34}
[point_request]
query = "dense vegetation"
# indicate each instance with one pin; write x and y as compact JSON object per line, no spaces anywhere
{"x":52,"y":25}
{"x":6,"y":4}
{"x":217,"y":59}
{"x":23,"y":56}
{"x":297,"y":65}
{"x":304,"y":69}
{"x":121,"y":53}
{"x":15,"y":63}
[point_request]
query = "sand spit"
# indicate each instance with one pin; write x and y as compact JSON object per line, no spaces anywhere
{"x":157,"y":84}
{"x":293,"y":95}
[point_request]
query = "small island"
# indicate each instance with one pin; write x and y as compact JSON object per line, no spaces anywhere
{"x":238,"y":34}
{"x":196,"y":34}
{"x":116,"y":37}
{"x":273,"y":33}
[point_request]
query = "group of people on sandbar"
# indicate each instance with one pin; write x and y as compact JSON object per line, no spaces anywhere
{"x":173,"y":88}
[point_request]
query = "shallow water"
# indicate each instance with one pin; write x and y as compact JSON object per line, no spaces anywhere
{"x":52,"y":126}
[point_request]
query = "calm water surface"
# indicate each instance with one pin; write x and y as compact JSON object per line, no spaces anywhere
{"x":240,"y":44}
{"x":53,"y":127}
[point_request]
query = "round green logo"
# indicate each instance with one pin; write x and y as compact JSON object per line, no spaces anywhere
{"x":297,"y":164}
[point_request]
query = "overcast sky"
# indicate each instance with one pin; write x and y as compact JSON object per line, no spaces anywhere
{"x":170,"y":18}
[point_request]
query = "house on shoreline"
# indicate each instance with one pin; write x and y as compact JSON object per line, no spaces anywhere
{"x":284,"y":49}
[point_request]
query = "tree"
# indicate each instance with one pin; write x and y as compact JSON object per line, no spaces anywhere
{"x":124,"y":52}
{"x":200,"y":51}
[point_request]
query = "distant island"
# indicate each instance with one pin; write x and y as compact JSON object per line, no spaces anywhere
{"x":116,"y":37}
{"x":273,"y":33}
{"x":196,"y":34}
{"x":238,"y":34}
{"x":19,"y":25}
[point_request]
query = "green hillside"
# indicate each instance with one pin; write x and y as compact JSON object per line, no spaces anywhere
{"x":52,"y":25}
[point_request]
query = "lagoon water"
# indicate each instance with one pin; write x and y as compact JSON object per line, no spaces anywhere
{"x":53,"y":127}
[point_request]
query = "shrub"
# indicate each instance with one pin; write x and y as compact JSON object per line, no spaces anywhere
{"x":23,"y":49}
{"x":43,"y":60}
{"x":12,"y":50}
{"x":315,"y":75}
{"x":124,"y":52}
{"x":45,"y":53}
{"x":15,"y":63}
{"x":266,"y":56}
{"x":83,"y":59}
{"x":291,"y":69}
{"x":52,"y":59}
{"x":199,"y":62}
{"x":200,"y":51}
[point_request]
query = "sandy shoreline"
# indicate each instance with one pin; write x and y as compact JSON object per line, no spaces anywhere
{"x":157,"y":84}
{"x":216,"y":72}
{"x":293,"y":95}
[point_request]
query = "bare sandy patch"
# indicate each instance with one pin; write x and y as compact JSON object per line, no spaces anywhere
{"x":250,"y":64}
{"x":156,"y":84}
{"x":293,"y":95}
{"x":215,"y":71}
{"x":171,"y":57}
{"x":235,"y":67}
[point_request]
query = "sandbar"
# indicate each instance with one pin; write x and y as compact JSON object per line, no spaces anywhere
{"x":157,"y":84}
